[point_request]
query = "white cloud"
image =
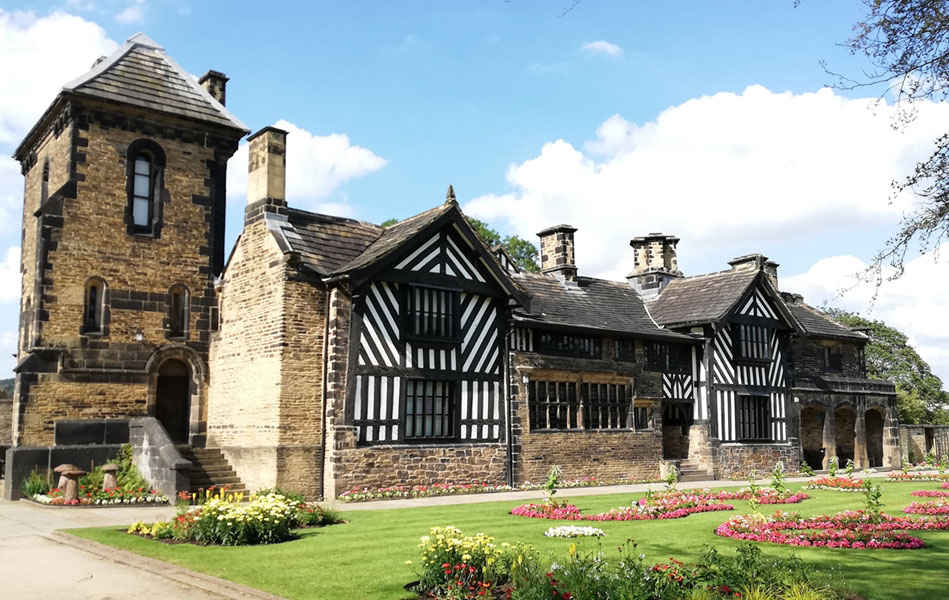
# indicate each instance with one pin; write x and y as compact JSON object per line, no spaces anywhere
{"x":10,"y":275}
{"x":602,"y":48}
{"x":725,"y":172}
{"x":317,"y":165}
{"x":917,"y":303}
{"x":134,"y":13}
{"x":38,"y":55}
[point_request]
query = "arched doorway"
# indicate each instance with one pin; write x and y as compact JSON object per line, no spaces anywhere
{"x":874,"y":424}
{"x":812,"y":436}
{"x":173,"y":399}
{"x":845,"y":419}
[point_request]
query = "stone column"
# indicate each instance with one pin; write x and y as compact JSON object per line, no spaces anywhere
{"x":829,"y":436}
{"x":860,"y":460}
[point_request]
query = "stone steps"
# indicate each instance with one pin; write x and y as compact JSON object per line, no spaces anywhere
{"x":210,"y":468}
{"x":691,"y":471}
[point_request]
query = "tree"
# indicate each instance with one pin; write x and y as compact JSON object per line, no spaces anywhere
{"x":906,"y":43}
{"x":920,"y":397}
{"x":520,"y":250}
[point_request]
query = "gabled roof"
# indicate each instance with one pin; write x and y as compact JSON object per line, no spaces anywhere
{"x":700,"y":299}
{"x":817,"y":323}
{"x":335,"y":246}
{"x":393,"y":237}
{"x":591,"y":304}
{"x":142,"y":74}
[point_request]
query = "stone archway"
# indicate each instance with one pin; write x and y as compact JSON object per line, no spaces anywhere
{"x":874,"y":421}
{"x":812,"y":436}
{"x":845,"y":420}
{"x":176,"y":393}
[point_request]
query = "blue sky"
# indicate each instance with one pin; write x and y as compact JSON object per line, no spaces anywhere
{"x":622,"y":118}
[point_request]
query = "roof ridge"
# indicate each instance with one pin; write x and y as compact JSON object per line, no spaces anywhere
{"x":335,"y":218}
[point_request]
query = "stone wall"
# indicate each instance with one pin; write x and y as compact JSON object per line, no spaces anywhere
{"x":736,"y":461}
{"x":6,"y":421}
{"x":244,"y":403}
{"x":807,"y":356}
{"x":403,"y":464}
{"x":580,"y":453}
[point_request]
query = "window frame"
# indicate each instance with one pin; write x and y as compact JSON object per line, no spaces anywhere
{"x":577,"y":406}
{"x":95,"y":305}
{"x":183,"y":316}
{"x":156,"y":176}
{"x":453,"y":314}
{"x":621,"y":354}
{"x":751,"y":343}
{"x":753,"y":419}
{"x":574,"y":350}
{"x":833,"y":361}
{"x":449,"y":415}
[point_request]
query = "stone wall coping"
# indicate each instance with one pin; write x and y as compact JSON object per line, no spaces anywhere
{"x":756,"y":445}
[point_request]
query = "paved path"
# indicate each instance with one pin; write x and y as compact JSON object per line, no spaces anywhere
{"x":38,"y":563}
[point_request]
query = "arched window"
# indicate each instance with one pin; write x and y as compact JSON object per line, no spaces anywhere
{"x":145,"y":165}
{"x":178,"y":303}
{"x":93,"y":310}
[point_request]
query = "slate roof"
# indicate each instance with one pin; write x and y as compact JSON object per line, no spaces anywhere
{"x":700,"y":299}
{"x":142,"y":74}
{"x":393,"y":236}
{"x":819,"y":324}
{"x":598,"y":304}
{"x":335,"y":245}
{"x":325,"y":243}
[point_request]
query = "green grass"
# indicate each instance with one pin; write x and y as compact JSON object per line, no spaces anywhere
{"x":366,"y":557}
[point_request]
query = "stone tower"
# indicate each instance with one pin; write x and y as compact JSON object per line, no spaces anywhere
{"x":123,"y":235}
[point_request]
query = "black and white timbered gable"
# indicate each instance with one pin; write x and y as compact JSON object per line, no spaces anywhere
{"x":741,"y":384}
{"x":427,"y":339}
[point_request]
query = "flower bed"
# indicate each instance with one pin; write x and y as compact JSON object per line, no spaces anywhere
{"x":899,"y":476}
{"x":945,"y":485}
{"x":838,"y":484}
{"x":572,"y":531}
{"x":761,"y":495}
{"x":848,"y":529}
{"x":931,"y":493}
{"x":99,"y":497}
{"x":222,"y":519}
{"x":932,"y":508}
{"x":674,"y":505}
{"x":365,"y":494}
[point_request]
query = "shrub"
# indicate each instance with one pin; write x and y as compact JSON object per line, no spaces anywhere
{"x":453,"y":563}
{"x":38,"y":482}
{"x":264,"y":520}
{"x":291,"y":496}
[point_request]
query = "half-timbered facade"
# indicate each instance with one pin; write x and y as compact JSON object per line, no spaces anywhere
{"x":332,"y":353}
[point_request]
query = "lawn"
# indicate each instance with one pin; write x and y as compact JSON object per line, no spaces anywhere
{"x":366,"y":557}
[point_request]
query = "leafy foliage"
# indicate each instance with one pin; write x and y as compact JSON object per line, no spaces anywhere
{"x":921,"y":398}
{"x":906,"y":43}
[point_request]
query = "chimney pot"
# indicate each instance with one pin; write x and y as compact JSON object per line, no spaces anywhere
{"x":654,"y":263}
{"x":267,"y":167}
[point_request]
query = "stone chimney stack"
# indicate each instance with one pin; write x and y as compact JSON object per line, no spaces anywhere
{"x":654,"y":263}
{"x":757,"y":262}
{"x":215,"y":83}
{"x":267,"y":167}
{"x":556,"y":252}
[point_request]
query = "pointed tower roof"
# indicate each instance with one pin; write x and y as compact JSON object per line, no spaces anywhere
{"x":142,"y":74}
